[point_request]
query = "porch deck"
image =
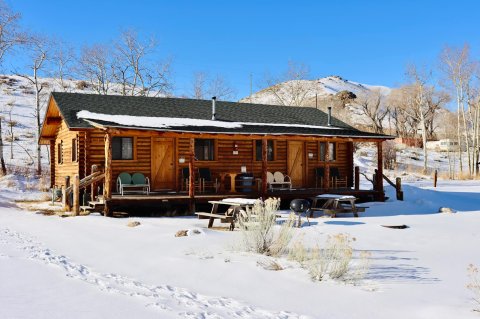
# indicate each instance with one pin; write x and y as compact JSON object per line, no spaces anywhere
{"x":177,"y":203}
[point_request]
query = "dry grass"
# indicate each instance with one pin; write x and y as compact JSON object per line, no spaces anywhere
{"x":258,"y":229}
{"x":474,"y":284}
{"x":270,"y":264}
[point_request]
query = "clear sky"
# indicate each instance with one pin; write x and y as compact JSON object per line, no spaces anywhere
{"x":364,"y":41}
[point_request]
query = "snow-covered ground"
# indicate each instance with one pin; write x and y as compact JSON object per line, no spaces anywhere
{"x":96,"y":267}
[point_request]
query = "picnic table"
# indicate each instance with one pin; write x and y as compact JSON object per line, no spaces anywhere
{"x":231,"y":215}
{"x":335,"y":204}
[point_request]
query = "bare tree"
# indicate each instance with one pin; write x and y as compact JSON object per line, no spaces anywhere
{"x":199,"y":85}
{"x":38,"y":49}
{"x":134,"y":68}
{"x":204,"y":87}
{"x":10,"y":36}
{"x":95,"y":65}
{"x":63,"y":59}
{"x":291,"y":87}
{"x":373,"y":106}
{"x":11,"y":124}
{"x":458,"y":68}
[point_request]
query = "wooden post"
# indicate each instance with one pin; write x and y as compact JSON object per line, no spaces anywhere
{"x":76,"y":195}
{"x":93,"y":187}
{"x":191,"y":181}
{"x":52,"y":163}
{"x":107,"y":188}
{"x":64,"y":197}
{"x":68,"y":204}
{"x":326,"y":182}
{"x":435,"y":176}
{"x":264,"y":167}
{"x":398,"y":187}
{"x":357,"y":178}
{"x":379,"y":179}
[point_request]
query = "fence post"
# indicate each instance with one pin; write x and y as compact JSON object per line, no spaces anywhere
{"x":76,"y":195}
{"x":357,"y":178}
{"x":398,"y":183}
{"x":435,"y":176}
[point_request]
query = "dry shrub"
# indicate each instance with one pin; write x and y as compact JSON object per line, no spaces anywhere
{"x":298,"y":252}
{"x":270,"y":264}
{"x":389,"y":155}
{"x":333,"y":260}
{"x":474,"y":283}
{"x":259,"y":232}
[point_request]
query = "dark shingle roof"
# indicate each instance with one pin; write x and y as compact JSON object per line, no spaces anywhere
{"x":71,"y":103}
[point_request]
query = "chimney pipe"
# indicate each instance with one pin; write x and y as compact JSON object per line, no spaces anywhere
{"x":329,"y":116}
{"x":213,"y":107}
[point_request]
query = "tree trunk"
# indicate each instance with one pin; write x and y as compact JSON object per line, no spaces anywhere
{"x":4,"y":168}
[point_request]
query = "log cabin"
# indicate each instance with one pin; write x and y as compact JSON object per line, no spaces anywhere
{"x":160,"y":137}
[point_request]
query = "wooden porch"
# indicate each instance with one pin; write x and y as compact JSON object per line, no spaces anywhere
{"x":158,"y":203}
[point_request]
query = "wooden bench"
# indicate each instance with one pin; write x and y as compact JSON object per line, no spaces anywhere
{"x":211,"y":217}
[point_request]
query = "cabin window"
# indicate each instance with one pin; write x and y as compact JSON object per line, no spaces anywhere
{"x":332,"y":151}
{"x":270,"y":150}
{"x":122,"y":148}
{"x":205,"y":149}
{"x":60,"y":152}
{"x":74,"y":150}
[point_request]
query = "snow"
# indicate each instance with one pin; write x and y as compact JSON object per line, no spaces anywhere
{"x":96,"y":267}
{"x":246,"y":201}
{"x":335,"y":196}
{"x":168,"y":122}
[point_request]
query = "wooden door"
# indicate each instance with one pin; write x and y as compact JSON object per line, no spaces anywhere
{"x":296,"y":162}
{"x":163,"y":168}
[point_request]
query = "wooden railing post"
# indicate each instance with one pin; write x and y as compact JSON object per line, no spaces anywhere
{"x":357,"y":178}
{"x":191,"y":181}
{"x":68,"y":204}
{"x":435,"y":177}
{"x":64,"y":197}
{"x":398,"y":187}
{"x":107,"y":189}
{"x":264,"y":167}
{"x":326,"y":182}
{"x":76,"y":195}
{"x":379,"y":172}
{"x":93,"y":187}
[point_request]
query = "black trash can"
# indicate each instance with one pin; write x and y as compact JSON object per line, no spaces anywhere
{"x":245,"y":180}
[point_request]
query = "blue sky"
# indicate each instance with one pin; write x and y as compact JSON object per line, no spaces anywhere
{"x":364,"y":41}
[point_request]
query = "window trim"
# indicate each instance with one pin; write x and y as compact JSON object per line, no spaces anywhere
{"x":214,"y":150}
{"x":74,"y":150}
{"x":274,"y":150}
{"x":60,"y":152}
{"x":327,"y":149}
{"x":134,"y":149}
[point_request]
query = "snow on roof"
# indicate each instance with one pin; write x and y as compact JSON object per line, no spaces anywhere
{"x":168,"y":122}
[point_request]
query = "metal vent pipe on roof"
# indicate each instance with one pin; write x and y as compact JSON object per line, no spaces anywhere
{"x":329,"y":116}
{"x":214,"y":98}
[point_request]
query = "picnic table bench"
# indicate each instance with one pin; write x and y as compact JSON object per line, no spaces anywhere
{"x":231,"y":215}
{"x":336,"y":204}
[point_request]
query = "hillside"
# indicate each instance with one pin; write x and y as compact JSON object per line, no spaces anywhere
{"x":319,"y":93}
{"x":17,"y":104}
{"x":322,"y":88}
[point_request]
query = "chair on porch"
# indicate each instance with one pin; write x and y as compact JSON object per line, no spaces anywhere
{"x":278,"y":179}
{"x":185,"y":172}
{"x":336,"y":179}
{"x":206,"y":180}
{"x":319,"y":176}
